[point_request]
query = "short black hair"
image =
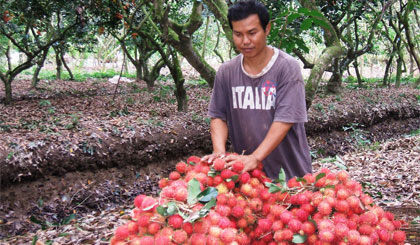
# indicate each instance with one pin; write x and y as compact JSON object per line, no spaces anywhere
{"x":243,"y":9}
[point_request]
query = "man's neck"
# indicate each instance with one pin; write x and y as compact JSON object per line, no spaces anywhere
{"x":256,"y":64}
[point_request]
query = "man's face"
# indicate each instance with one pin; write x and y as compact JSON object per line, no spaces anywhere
{"x":249,"y":36}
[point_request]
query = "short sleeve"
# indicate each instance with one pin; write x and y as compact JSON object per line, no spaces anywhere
{"x":290,"y":95}
{"x":219,"y":98}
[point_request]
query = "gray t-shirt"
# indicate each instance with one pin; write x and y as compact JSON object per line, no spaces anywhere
{"x":249,"y":104}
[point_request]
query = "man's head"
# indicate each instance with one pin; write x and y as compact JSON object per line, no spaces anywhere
{"x":243,"y":9}
{"x":250,"y":24}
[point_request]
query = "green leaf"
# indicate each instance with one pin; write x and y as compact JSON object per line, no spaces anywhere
{"x":34,"y":240}
{"x":341,"y":164}
{"x":313,"y":222}
{"x":40,"y":202}
{"x":289,"y":46}
{"x":206,"y":209}
{"x":161,"y":210}
{"x":292,"y":17}
{"x":410,"y":5}
{"x":233,"y":178}
{"x":212,"y":172}
{"x":68,"y":219}
{"x":193,"y":191}
{"x":202,"y":212}
{"x":210,"y":204}
{"x":284,"y":14}
{"x":63,"y":234}
{"x":306,"y":24}
{"x":282,"y":176}
{"x":319,"y":176}
{"x":300,"y":179}
{"x":329,"y":187}
{"x":315,"y":13}
{"x":301,"y":44}
{"x":303,"y":11}
{"x":297,"y":238}
{"x":43,"y":225}
{"x":171,"y":209}
{"x":321,"y":23}
{"x":273,"y":188}
{"x":192,"y":163}
{"x":207,"y":194}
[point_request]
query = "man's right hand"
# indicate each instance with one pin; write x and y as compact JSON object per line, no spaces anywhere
{"x":210,"y":158}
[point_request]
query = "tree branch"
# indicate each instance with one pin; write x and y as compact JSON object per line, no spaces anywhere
{"x":306,"y":63}
{"x":195,"y":20}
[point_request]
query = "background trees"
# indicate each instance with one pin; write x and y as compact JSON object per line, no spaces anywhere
{"x":27,"y":25}
{"x":337,"y":37}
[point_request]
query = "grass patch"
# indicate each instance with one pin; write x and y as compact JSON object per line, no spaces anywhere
{"x":197,"y":82}
{"x":351,"y":82}
{"x":79,"y":75}
{"x":414,"y":132}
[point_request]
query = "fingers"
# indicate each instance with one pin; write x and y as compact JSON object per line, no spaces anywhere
{"x":210,"y":158}
{"x":231,"y":158}
{"x":205,"y":158}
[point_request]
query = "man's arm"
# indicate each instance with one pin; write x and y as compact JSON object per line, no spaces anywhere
{"x":219,"y":134}
{"x":274,"y":137}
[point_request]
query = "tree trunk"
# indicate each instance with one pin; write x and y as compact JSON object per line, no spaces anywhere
{"x":399,"y":72}
{"x":186,"y":48}
{"x":385,"y":81}
{"x":35,"y":77}
{"x":399,"y":64}
{"x":180,"y":93}
{"x":203,"y":52}
{"x":58,"y":62}
{"x":409,"y":37}
{"x":66,"y":66}
{"x":332,"y":51}
{"x":411,"y":72}
{"x":40,"y":64}
{"x":139,"y":73}
{"x":317,"y":71}
{"x":146,"y":77}
{"x":180,"y":37}
{"x":8,"y":90}
{"x":359,"y":77}
{"x":155,"y":72}
{"x":334,"y":84}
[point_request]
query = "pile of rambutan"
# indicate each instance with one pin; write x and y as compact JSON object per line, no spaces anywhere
{"x":208,"y":203}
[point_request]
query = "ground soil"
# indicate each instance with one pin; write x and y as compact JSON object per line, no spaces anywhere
{"x":66,"y":148}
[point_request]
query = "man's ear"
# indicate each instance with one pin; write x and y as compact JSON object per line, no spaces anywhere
{"x":268,"y":28}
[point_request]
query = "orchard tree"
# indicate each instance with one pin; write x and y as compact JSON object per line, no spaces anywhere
{"x":138,"y":49}
{"x":123,"y":20}
{"x":132,"y":24}
{"x":404,"y":16}
{"x":178,"y":31}
{"x":333,"y":23}
{"x":24,"y":24}
{"x":291,"y":23}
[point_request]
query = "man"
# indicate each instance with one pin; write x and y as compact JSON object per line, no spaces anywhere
{"x":258,"y":100}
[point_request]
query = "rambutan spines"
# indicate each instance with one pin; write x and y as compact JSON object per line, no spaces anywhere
{"x":324,"y":209}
